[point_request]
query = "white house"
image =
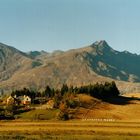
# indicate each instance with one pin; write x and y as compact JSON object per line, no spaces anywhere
{"x":26,"y":100}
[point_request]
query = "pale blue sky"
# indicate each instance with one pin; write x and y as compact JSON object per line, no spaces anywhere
{"x":64,"y":24}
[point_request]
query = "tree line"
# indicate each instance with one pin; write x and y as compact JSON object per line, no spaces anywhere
{"x":101,"y":91}
{"x":64,"y":98}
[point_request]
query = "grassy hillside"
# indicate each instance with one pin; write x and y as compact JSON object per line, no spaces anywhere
{"x":121,"y":109}
{"x":39,"y":114}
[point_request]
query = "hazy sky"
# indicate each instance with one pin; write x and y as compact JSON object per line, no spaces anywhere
{"x":64,"y":24}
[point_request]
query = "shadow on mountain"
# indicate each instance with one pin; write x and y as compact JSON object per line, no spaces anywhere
{"x":121,"y":100}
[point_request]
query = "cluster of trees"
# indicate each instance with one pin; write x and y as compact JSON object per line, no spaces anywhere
{"x":24,"y":91}
{"x":9,"y":111}
{"x":101,"y":91}
{"x":6,"y":113}
{"x":64,"y":98}
{"x":108,"y":89}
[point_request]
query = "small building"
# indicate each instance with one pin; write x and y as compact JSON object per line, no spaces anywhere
{"x":10,"y":100}
{"x":26,"y":100}
{"x":50,"y":104}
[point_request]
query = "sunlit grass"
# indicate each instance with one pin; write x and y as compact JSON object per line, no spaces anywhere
{"x":70,"y":130}
{"x":39,"y":114}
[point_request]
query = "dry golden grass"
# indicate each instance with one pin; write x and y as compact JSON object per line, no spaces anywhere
{"x":100,"y":121}
{"x":136,"y":95}
{"x":76,"y":129}
{"x":96,"y":109}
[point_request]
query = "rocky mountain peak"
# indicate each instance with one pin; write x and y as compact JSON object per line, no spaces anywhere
{"x":100,"y":43}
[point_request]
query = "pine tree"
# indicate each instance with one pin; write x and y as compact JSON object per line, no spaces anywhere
{"x":64,"y":89}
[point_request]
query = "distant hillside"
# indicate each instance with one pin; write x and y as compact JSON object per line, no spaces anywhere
{"x":11,"y":61}
{"x":110,"y":63}
{"x":95,"y":63}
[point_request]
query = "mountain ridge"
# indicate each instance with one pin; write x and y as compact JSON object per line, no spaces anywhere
{"x":97,"y":62}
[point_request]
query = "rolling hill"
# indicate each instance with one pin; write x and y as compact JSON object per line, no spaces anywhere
{"x":97,"y":62}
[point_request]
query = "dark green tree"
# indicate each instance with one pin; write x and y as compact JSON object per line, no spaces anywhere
{"x":48,"y":91}
{"x":64,"y":89}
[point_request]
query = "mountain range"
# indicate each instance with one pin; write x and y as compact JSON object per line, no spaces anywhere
{"x":97,"y":62}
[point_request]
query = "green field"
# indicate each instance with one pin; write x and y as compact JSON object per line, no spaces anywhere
{"x":39,"y":114}
{"x":69,"y":130}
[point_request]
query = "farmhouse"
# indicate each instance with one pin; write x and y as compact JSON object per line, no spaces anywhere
{"x":25,"y":100}
{"x":10,"y":100}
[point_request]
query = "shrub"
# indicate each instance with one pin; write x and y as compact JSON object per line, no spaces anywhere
{"x":36,"y":64}
{"x":63,"y":116}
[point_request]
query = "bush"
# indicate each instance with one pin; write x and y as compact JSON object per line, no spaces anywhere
{"x":63,"y":116}
{"x":36,"y":64}
{"x":72,"y":104}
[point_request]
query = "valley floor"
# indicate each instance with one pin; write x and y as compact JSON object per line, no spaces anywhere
{"x":70,"y":130}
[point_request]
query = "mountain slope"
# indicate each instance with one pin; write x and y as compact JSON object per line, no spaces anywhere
{"x":95,"y":63}
{"x":11,"y":61}
{"x":117,"y":65}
